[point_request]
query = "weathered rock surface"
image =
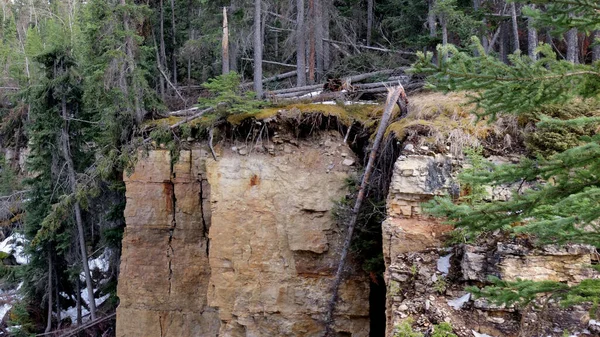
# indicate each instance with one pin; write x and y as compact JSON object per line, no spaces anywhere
{"x":427,"y":282}
{"x":244,"y":246}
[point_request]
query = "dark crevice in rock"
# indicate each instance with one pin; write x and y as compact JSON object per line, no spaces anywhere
{"x":170,"y":250}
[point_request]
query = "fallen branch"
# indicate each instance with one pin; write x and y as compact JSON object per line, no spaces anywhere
{"x":186,"y":120}
{"x":371,"y":48}
{"x":171,"y":84}
{"x":183,"y":113}
{"x":272,"y":78}
{"x":394,"y":95}
{"x":271,"y":62}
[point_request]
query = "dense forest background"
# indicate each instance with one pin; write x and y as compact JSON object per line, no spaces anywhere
{"x":79,"y":78}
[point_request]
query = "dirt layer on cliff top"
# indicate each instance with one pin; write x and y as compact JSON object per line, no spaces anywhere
{"x":436,"y":122}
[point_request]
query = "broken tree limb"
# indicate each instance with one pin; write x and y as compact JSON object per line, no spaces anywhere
{"x":191,"y":118}
{"x":271,"y":62}
{"x":371,"y":47}
{"x":272,"y":78}
{"x":183,"y":113}
{"x":171,"y":84}
{"x":186,"y":120}
{"x":393,"y":95}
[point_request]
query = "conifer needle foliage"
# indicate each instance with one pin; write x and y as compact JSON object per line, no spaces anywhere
{"x":562,"y":203}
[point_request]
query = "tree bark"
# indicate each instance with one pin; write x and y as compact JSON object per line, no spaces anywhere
{"x":300,"y":45}
{"x":174,"y":39}
{"x":163,"y":53}
{"x":225,"y":44}
{"x":515,"y":27}
{"x":78,"y":303}
{"x":311,"y":42}
{"x":532,"y":38}
{"x":444,"y":25}
{"x":596,"y":47}
{"x":431,"y":19}
{"x":78,"y":219}
{"x":504,"y":42}
{"x":50,"y":289}
{"x":572,"y":45}
{"x":319,"y":38}
{"x":369,"y":21}
{"x":326,"y":46}
{"x":258,"y":50}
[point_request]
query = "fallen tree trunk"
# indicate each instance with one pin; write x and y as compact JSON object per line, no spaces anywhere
{"x":183,"y":113}
{"x":385,"y":50}
{"x":297,"y":89}
{"x":272,"y":78}
{"x":394,"y":95}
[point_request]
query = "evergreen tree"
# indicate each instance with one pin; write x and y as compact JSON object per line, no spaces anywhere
{"x":562,"y":204}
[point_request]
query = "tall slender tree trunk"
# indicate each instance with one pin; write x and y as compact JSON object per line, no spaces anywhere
{"x":139,"y":111}
{"x":319,"y":38}
{"x":532,"y":38}
{"x":369,"y":21}
{"x":572,"y":44}
{"x":311,"y":42}
{"x":258,"y":50}
{"x":78,"y":301}
{"x":78,"y":219}
{"x":50,"y":289}
{"x":431,"y":19}
{"x":504,"y":42}
{"x":596,"y":47}
{"x":58,"y":316}
{"x":515,"y":27}
{"x":174,"y":39}
{"x":225,"y":44}
{"x":444,"y":24}
{"x":326,"y":45}
{"x":476,"y":4}
{"x":163,"y":52}
{"x":300,"y":45}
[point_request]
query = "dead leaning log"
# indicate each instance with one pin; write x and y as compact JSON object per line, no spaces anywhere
{"x":394,"y":96}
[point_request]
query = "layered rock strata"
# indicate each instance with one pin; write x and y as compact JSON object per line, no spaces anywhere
{"x":242,"y":246}
{"x":426,"y":282}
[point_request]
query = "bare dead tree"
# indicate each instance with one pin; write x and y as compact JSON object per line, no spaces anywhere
{"x":258,"y":50}
{"x":394,"y":94}
{"x":225,"y":44}
{"x":300,"y":45}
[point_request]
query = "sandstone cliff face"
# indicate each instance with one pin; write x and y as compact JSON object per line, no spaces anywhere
{"x":242,"y":246}
{"x":427,"y":282}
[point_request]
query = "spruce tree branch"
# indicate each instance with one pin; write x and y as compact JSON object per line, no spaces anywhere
{"x":523,"y":79}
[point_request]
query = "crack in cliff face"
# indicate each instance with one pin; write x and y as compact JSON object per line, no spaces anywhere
{"x":170,"y":250}
{"x":201,"y":181}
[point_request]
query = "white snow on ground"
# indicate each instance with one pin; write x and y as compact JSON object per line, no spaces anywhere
{"x":72,"y":311}
{"x":443,"y":264}
{"x":101,"y":262}
{"x":15,"y":245}
{"x":4,"y":308}
{"x":477,"y":334}
{"x":459,"y":302}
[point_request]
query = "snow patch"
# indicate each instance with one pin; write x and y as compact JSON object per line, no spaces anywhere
{"x":15,"y":245}
{"x":477,"y":334}
{"x":443,"y":264}
{"x":4,"y":308}
{"x":459,"y":302}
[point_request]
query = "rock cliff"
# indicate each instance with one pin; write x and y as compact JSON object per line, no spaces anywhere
{"x":426,"y":281}
{"x":242,"y":246}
